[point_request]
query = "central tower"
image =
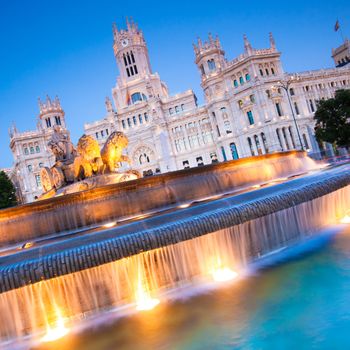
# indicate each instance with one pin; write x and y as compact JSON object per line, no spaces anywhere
{"x":136,"y":83}
{"x":131,"y":52}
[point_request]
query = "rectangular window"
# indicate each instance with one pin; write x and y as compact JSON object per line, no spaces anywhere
{"x":296,"y":108}
{"x":38,"y":181}
{"x":279,"y":110}
{"x":312,"y":106}
{"x":250,"y":117}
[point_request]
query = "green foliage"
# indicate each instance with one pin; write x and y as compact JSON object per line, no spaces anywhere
{"x":333,"y":119}
{"x":7,"y":192}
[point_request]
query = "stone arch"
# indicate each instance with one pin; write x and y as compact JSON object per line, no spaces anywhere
{"x":143,"y":155}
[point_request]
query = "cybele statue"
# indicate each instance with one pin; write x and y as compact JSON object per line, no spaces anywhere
{"x":86,"y":166}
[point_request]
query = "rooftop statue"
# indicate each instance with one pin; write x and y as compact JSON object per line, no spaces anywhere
{"x":84,"y":163}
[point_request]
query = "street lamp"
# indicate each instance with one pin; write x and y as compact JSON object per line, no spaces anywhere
{"x":285,"y":85}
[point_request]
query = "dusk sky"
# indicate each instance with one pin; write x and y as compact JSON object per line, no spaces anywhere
{"x":64,"y":48}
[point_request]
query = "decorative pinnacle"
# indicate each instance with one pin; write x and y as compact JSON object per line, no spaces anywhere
{"x":272,"y":41}
{"x":48,"y":105}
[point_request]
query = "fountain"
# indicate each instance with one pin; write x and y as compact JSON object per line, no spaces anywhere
{"x":183,"y":228}
{"x":86,"y":167}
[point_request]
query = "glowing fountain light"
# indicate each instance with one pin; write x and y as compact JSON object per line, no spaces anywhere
{"x":183,"y":206}
{"x":345,"y":219}
{"x":57,"y":330}
{"x":109,"y":224}
{"x":144,"y":301}
{"x":223,"y":274}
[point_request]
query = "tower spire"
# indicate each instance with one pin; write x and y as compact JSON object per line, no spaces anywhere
{"x":247,"y":46}
{"x":272,"y":41}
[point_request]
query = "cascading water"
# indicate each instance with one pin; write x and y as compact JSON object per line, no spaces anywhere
{"x":141,"y":280}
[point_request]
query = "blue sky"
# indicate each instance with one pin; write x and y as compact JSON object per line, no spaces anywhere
{"x":64,"y":47}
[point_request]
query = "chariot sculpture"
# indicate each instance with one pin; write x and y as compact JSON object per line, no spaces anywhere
{"x":85,"y":162}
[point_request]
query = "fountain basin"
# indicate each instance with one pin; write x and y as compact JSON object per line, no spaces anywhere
{"x":108,"y":203}
{"x":88,"y":251}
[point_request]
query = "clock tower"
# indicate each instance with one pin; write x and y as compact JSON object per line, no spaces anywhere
{"x":131,"y":52}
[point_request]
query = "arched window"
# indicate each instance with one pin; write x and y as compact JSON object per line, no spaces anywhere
{"x":261,"y":72}
{"x":41,"y":165}
{"x":272,"y":71}
{"x":182,"y":107}
{"x":279,"y":109}
{"x":146,"y":117}
{"x":143,"y":158}
{"x":257,"y":143}
{"x":171,"y":111}
{"x":211,"y":64}
{"x":26,"y":152}
{"x":30,"y":168}
{"x":241,"y":80}
{"x":267,"y":71}
{"x":132,"y":57}
{"x":58,"y":120}
{"x":247,"y":77}
{"x":140,"y":119}
{"x":31,"y":150}
{"x":305,"y":141}
{"x":177,"y":109}
{"x":291,"y":135}
{"x":235,"y":83}
{"x":138,"y":97}
{"x":266,"y":147}
{"x":123,"y":124}
{"x":48,"y":122}
{"x":285,"y":137}
{"x":234,"y":151}
{"x":279,"y":139}
{"x":134,"y":120}
{"x":129,"y":122}
{"x":251,"y":146}
{"x":37,"y":149}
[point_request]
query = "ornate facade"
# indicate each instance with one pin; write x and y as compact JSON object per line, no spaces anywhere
{"x":246,"y":112}
{"x":30,"y":150}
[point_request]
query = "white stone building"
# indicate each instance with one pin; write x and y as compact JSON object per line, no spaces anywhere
{"x":30,"y":150}
{"x":246,"y":109}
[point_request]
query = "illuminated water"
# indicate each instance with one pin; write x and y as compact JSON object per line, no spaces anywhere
{"x":301,"y":301}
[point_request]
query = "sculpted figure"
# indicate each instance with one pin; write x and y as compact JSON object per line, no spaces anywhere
{"x":112,"y":151}
{"x":88,"y":162}
{"x":60,"y":145}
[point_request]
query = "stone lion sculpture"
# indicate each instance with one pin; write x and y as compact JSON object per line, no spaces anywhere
{"x":89,"y":161}
{"x":111,"y":152}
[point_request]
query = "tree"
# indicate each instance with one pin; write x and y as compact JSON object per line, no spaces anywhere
{"x":7,"y":192}
{"x":333,"y":119}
